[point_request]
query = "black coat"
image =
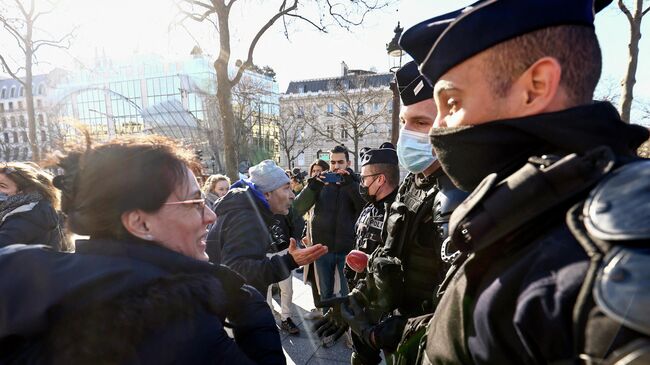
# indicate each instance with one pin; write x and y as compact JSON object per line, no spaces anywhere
{"x":128,"y":303}
{"x":241,"y":238}
{"x":336,"y":210}
{"x":512,"y":300}
{"x":38,"y":225}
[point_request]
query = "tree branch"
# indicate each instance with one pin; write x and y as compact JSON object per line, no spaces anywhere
{"x":5,"y":66}
{"x":55,"y":43}
{"x":645,"y":11}
{"x":626,"y":11}
{"x":249,"y":60}
{"x":318,"y":27}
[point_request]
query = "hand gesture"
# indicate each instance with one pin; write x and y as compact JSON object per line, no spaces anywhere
{"x":307,"y":255}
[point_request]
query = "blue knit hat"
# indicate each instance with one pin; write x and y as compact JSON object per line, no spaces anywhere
{"x":267,"y":176}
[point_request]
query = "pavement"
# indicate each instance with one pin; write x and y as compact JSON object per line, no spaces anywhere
{"x":306,"y":348}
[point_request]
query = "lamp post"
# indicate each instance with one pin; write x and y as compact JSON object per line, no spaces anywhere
{"x":395,"y":53}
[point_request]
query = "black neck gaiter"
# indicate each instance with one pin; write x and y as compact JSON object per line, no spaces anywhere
{"x":468,"y":154}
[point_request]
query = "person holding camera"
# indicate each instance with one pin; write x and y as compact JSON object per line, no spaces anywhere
{"x":337,"y":205}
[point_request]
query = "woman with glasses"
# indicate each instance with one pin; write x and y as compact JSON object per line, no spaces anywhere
{"x":28,"y":203}
{"x":140,"y":289}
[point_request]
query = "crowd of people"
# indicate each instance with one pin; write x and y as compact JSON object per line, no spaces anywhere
{"x":518,"y":236}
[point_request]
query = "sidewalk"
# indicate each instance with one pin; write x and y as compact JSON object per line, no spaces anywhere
{"x":306,"y":348}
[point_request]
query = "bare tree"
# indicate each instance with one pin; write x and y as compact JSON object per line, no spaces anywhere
{"x":343,"y":13}
{"x":21,"y":23}
{"x":293,"y":137}
{"x":357,"y":112}
{"x":634,"y":18}
{"x":5,"y":150}
{"x":608,"y":90}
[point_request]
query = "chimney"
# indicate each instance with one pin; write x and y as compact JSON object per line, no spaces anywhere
{"x":344,"y":69}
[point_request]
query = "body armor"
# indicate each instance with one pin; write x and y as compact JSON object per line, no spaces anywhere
{"x":611,"y":316}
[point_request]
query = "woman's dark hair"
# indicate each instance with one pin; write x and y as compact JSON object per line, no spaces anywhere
{"x":324,"y":165}
{"x":130,"y":173}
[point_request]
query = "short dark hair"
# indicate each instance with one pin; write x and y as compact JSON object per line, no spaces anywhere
{"x":575,"y":47}
{"x":101,"y":183}
{"x":341,"y":149}
{"x":391,"y":171}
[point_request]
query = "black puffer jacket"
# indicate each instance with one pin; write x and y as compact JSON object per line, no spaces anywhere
{"x":336,"y":209}
{"x":241,"y":238}
{"x":32,"y":224}
{"x":132,"y":302}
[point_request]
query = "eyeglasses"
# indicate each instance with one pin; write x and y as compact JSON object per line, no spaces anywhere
{"x":199,"y":204}
{"x":363,"y":177}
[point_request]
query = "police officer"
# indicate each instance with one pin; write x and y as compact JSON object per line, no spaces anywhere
{"x":404,"y":273}
{"x":379,"y":183}
{"x":514,"y":82}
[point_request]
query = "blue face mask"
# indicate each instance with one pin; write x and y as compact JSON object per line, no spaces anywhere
{"x":414,"y":151}
{"x":3,"y":197}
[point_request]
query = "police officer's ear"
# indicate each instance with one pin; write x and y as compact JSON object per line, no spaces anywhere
{"x":538,"y":89}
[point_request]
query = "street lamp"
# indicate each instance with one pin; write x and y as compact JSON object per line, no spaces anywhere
{"x":395,"y":53}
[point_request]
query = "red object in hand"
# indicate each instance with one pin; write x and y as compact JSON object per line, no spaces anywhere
{"x":357,"y":260}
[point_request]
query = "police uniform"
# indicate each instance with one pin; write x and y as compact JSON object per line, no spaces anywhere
{"x":524,"y":291}
{"x":404,"y":273}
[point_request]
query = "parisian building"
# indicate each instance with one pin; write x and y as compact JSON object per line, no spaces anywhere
{"x":14,"y":134}
{"x":325,"y":112}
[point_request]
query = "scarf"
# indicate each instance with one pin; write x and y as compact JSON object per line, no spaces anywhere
{"x":470,"y":153}
{"x":16,"y":201}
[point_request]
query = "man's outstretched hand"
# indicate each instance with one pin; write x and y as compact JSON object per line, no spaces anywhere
{"x":307,"y":255}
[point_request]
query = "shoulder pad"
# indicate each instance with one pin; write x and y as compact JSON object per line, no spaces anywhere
{"x":449,"y":198}
{"x":622,"y":288}
{"x":619,"y":207}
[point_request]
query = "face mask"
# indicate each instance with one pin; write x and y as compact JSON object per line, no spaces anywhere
{"x":364,"y":191}
{"x":3,"y":197}
{"x":414,"y":151}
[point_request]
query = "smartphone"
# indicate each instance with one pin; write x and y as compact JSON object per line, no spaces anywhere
{"x":332,"y":177}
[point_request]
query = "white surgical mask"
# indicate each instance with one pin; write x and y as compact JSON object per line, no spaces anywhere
{"x":414,"y":151}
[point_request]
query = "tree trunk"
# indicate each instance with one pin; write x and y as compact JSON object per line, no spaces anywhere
{"x":224,"y":93}
{"x":29,"y":95}
{"x":356,"y":148}
{"x":627,"y":94}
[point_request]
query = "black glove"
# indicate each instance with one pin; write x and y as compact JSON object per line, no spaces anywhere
{"x":315,"y":184}
{"x":358,"y":321}
{"x":331,"y":327}
{"x":388,"y":333}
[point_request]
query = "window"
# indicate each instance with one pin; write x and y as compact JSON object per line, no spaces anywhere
{"x":4,"y":123}
{"x":16,"y":152}
{"x":39,"y":103}
{"x":12,"y":94}
{"x":21,"y":121}
{"x":330,"y":109}
{"x":40,"y":120}
{"x":43,"y":136}
{"x":15,"y":135}
{"x":21,"y":92}
{"x":330,"y":132}
{"x":24,"y":135}
{"x":344,"y":109}
{"x":41,"y":89}
{"x":11,"y":106}
{"x":6,"y":137}
{"x":13,"y":122}
{"x":344,"y":132}
{"x":2,"y":107}
{"x":20,"y":105}
{"x":301,"y":89}
{"x":360,"y":109}
{"x":301,"y":112}
{"x":4,"y":93}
